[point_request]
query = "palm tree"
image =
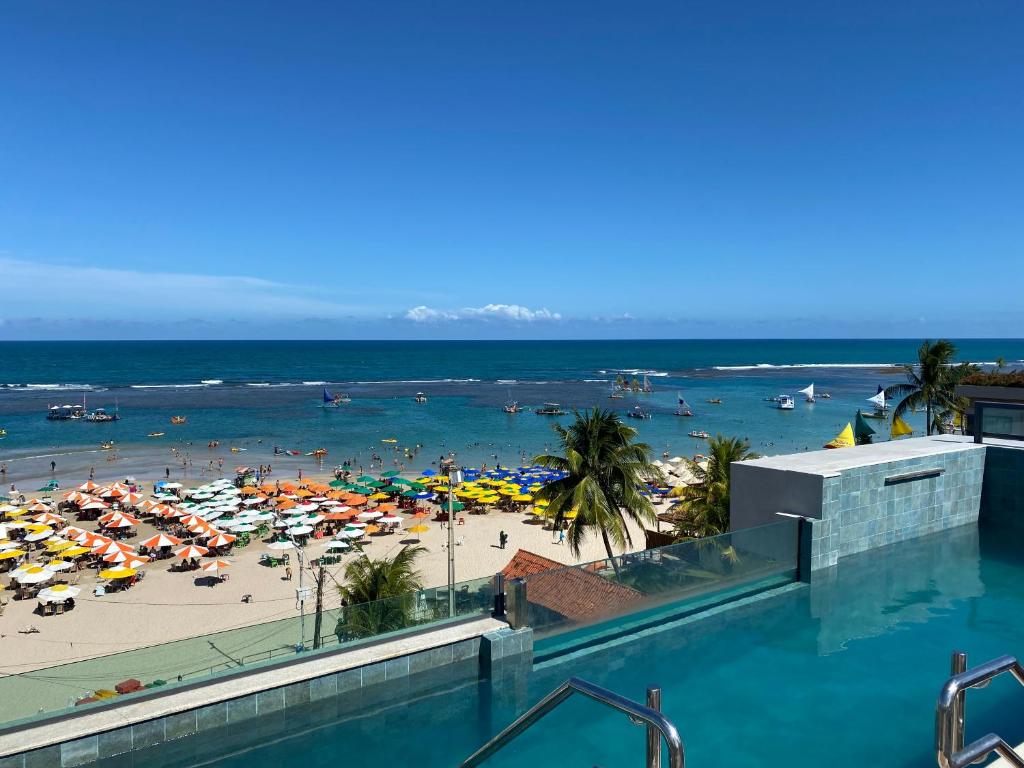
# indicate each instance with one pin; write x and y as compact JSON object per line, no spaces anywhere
{"x":605,"y":476}
{"x":378,"y":594}
{"x":703,"y":508}
{"x":931,"y":384}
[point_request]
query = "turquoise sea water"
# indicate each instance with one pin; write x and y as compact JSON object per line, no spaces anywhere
{"x":255,"y":395}
{"x":843,"y":672}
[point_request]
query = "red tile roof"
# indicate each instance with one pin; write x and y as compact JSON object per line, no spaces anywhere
{"x":575,"y":593}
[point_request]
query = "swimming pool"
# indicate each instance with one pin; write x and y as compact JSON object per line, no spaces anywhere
{"x":843,"y":672}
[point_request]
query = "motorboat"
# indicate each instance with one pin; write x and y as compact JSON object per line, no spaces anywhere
{"x":420,"y":397}
{"x":550,"y":409}
{"x":700,"y":434}
{"x":785,"y":402}
{"x":156,"y":434}
{"x":511,"y":407}
{"x":100,"y":415}
{"x":715,"y":401}
{"x":638,"y":413}
{"x":178,"y":419}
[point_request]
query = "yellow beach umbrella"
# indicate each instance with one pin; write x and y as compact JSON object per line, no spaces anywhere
{"x":542,"y":502}
{"x":17,"y":512}
{"x":379,"y":496}
{"x":58,"y":544}
{"x":117,"y":573}
{"x":523,"y":497}
{"x":75,"y":552}
{"x":11,"y":554}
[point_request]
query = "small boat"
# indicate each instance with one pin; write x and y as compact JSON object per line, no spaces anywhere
{"x":700,"y":434}
{"x":3,"y":433}
{"x":279,"y":452}
{"x":638,"y":413}
{"x":65,"y":412}
{"x":333,"y":401}
{"x":156,"y":434}
{"x":824,"y":396}
{"x":808,"y":392}
{"x":238,"y":450}
{"x":550,"y":409}
{"x":684,"y":408}
{"x":881,"y":408}
{"x":100,"y":415}
{"x":511,"y":407}
{"x":388,"y":440}
{"x":178,"y":419}
{"x":318,"y":453}
{"x":647,"y":385}
{"x":420,"y":397}
{"x":107,"y":446}
{"x":715,"y":401}
{"x":785,"y":402}
{"x":616,"y":393}
{"x":882,"y":415}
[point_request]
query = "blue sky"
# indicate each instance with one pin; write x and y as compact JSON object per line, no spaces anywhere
{"x":484,"y":169}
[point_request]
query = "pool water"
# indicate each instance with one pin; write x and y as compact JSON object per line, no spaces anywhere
{"x":843,"y":672}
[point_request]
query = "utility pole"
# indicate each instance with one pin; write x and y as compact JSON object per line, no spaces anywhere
{"x":319,"y":607}
{"x":455,"y":478}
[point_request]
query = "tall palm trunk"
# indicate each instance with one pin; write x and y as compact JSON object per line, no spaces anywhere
{"x":611,"y":554}
{"x":928,"y":415}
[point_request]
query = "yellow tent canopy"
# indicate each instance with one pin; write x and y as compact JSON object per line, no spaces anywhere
{"x":900,"y":428}
{"x":844,"y":439}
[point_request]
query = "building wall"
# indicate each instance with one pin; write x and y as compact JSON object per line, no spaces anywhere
{"x":1002,"y":494}
{"x":759,"y":494}
{"x":851,"y":508}
{"x":861,"y":512}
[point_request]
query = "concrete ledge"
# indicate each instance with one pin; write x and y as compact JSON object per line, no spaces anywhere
{"x":135,"y":724}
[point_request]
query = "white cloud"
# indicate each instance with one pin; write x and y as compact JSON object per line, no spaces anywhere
{"x":51,"y":291}
{"x":502,"y":312}
{"x":422,"y":314}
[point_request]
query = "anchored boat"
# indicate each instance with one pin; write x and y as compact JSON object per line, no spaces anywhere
{"x":638,"y":413}
{"x":550,"y":409}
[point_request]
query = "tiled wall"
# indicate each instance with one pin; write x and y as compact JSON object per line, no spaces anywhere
{"x":860,"y":512}
{"x":1002,"y":496}
{"x":497,"y":654}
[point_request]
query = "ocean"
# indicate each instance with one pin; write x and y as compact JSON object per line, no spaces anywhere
{"x":254,"y":395}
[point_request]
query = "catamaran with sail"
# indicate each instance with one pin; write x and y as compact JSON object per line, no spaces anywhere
{"x":808,"y":392}
{"x":335,"y":400}
{"x":684,"y":408}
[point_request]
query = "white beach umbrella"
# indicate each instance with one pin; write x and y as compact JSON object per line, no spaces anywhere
{"x":58,"y":593}
{"x":242,"y":527}
{"x":34,"y":575}
{"x":280,"y":545}
{"x":337,"y":544}
{"x":355,"y":524}
{"x":350,"y":534}
{"x":369,"y":515}
{"x":300,"y":530}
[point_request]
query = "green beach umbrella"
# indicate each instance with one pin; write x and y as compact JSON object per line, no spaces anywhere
{"x":410,"y":494}
{"x":389,"y":473}
{"x":401,"y":481}
{"x":376,"y":484}
{"x":366,"y":479}
{"x":417,"y":486}
{"x":336,"y":484}
{"x":458,"y":506}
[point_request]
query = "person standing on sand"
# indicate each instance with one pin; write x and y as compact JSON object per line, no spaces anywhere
{"x":167,"y":473}
{"x":502,"y":539}
{"x":300,"y":473}
{"x":92,"y":472}
{"x":53,"y":466}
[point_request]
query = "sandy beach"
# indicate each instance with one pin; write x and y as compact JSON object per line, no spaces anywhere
{"x":171,"y":606}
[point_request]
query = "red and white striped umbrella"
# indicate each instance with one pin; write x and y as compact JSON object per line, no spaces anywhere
{"x":112,"y":547}
{"x":220,"y":540}
{"x":96,"y":504}
{"x":88,"y":486}
{"x":160,"y":540}
{"x":216,"y":565}
{"x":191,"y":551}
{"x":48,"y":518}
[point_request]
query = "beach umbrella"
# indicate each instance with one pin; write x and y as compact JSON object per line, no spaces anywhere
{"x":110,"y":547}
{"x":215,"y":566}
{"x":96,"y":504}
{"x":75,"y":552}
{"x":277,"y":545}
{"x":117,"y":573}
{"x":220,"y":540}
{"x":300,"y":530}
{"x":34,"y":575}
{"x":88,"y":486}
{"x":130,"y":499}
{"x":58,"y":593}
{"x":39,"y":535}
{"x":338,"y":544}
{"x":190,"y":552}
{"x":351,"y":533}
{"x":418,"y":529}
{"x":58,"y":565}
{"x":369,"y":514}
{"x":243,"y":527}
{"x":160,"y":540}
{"x":390,"y":520}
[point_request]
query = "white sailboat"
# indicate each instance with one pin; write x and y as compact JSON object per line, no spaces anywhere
{"x":809,"y":392}
{"x":881,"y":408}
{"x":647,"y":385}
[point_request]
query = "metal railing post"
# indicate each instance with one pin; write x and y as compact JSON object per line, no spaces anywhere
{"x":653,"y":734}
{"x":958,"y":664}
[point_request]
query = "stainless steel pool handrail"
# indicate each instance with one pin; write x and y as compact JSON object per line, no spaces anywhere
{"x":950,"y":715}
{"x":658,"y":726}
